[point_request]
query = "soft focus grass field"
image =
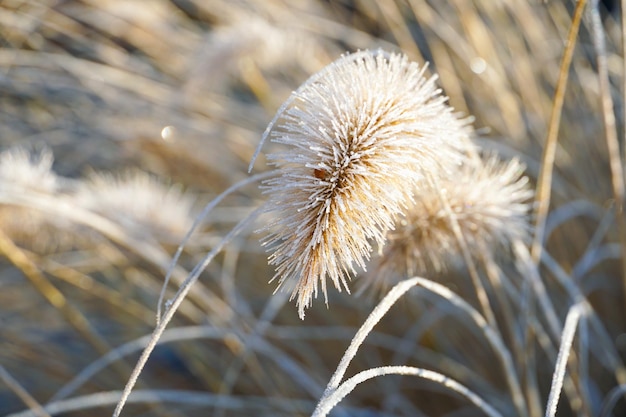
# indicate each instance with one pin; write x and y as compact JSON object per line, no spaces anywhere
{"x":121,"y":119}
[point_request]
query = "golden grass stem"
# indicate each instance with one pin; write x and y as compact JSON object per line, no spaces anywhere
{"x":544,"y":182}
{"x":55,"y":297}
{"x":96,"y":289}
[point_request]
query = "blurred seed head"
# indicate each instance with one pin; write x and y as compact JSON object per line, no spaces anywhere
{"x":490,"y":201}
{"x":137,"y":201}
{"x":141,"y":203}
{"x":29,"y":189}
{"x":250,"y":41}
{"x":19,"y":167}
{"x":360,"y":137}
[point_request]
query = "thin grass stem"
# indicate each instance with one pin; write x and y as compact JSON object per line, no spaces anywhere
{"x":22,"y":394}
{"x":544,"y":182}
{"x":481,"y":294}
{"x":389,"y":300}
{"x":611,"y":400}
{"x":567,"y":338}
{"x":198,"y":220}
{"x":168,"y":336}
{"x":332,"y":398}
{"x":173,"y":306}
{"x":189,"y":398}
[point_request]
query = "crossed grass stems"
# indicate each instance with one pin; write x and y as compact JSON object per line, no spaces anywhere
{"x":528,"y":262}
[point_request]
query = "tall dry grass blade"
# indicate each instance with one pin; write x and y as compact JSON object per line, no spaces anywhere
{"x":482,"y":44}
{"x":567,"y":338}
{"x":544,"y":182}
{"x":250,"y":340}
{"x":96,"y":289}
{"x":583,"y":375}
{"x":547,"y":309}
{"x":396,"y":21}
{"x":294,"y":370}
{"x":623,"y":27}
{"x":605,"y":349}
{"x":529,"y":268}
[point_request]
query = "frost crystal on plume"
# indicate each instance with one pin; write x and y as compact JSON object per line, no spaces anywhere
{"x":358,"y":139}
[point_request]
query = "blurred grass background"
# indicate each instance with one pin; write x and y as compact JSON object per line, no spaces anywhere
{"x":152,"y":108}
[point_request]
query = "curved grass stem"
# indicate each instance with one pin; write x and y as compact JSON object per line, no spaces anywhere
{"x":173,"y":307}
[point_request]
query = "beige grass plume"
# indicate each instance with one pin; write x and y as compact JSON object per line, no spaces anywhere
{"x":141,"y":203}
{"x":358,"y":139}
{"x":490,"y":201}
{"x":20,"y":167}
{"x":29,"y":188}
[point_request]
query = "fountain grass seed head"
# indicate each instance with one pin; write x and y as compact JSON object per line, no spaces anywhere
{"x":358,"y":138}
{"x":490,"y":201}
{"x":141,"y":203}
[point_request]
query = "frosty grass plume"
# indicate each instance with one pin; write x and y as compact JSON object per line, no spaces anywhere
{"x":490,"y":202}
{"x":359,"y":139}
